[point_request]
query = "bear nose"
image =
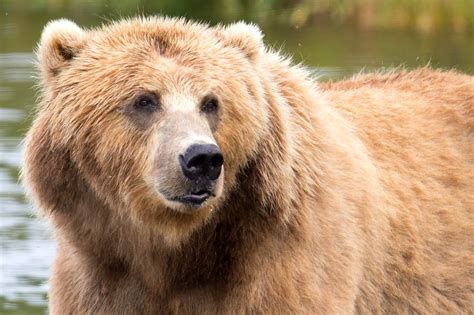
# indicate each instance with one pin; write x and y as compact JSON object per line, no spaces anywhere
{"x":202,"y":161}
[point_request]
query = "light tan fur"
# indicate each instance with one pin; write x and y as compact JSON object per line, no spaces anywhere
{"x":340,"y":198}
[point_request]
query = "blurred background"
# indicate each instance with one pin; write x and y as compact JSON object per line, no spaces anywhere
{"x":334,"y":37}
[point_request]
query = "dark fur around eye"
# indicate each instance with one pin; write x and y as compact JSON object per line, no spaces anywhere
{"x":209,"y":104}
{"x":147,"y":102}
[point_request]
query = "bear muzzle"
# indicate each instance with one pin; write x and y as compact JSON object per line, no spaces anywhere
{"x":201,"y":164}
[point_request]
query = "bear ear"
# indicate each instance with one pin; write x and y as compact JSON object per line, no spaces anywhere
{"x":60,"y":42}
{"x":246,"y":37}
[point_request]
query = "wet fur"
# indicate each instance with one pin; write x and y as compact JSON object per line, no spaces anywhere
{"x":354,"y":197}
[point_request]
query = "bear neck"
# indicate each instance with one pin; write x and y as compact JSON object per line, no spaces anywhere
{"x":226,"y":246}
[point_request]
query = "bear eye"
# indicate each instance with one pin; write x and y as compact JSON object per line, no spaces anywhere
{"x":148,"y":102}
{"x":209,"y":104}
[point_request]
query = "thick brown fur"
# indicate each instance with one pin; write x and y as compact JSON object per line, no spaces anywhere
{"x":348,"y":197}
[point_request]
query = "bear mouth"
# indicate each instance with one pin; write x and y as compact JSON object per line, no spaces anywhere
{"x":194,"y":199}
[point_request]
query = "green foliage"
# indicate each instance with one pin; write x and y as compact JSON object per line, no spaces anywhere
{"x":422,"y":15}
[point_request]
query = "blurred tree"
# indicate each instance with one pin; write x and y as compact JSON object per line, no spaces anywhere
{"x":422,"y":15}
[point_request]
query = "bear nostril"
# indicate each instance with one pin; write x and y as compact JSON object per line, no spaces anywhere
{"x":197,"y":161}
{"x":202,"y":161}
{"x":217,"y":160}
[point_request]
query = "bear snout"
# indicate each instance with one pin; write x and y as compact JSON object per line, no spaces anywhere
{"x":201,"y":165}
{"x":201,"y":162}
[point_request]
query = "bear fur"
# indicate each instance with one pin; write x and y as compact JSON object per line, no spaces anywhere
{"x":338,"y":198}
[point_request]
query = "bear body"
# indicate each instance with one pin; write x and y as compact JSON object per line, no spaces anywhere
{"x":339,"y":198}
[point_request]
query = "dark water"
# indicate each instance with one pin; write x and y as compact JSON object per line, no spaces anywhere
{"x":334,"y":52}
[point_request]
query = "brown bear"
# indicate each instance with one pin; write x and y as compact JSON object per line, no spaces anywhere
{"x":188,"y":169}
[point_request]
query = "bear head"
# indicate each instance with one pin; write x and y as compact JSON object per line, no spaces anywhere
{"x":155,"y":118}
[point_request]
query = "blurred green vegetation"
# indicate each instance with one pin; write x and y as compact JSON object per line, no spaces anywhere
{"x":19,"y":308}
{"x":422,"y":15}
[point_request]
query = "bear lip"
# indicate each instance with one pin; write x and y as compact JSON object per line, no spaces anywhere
{"x":194,"y":199}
